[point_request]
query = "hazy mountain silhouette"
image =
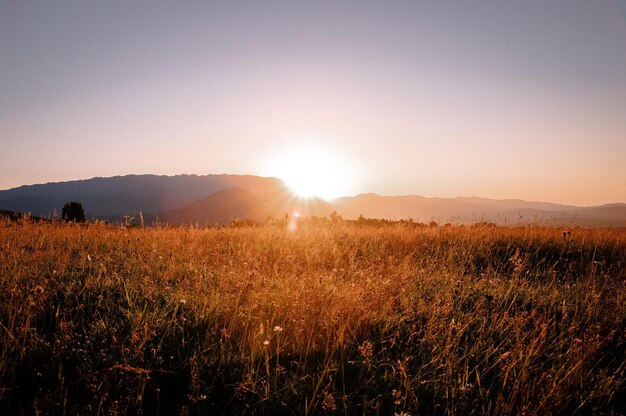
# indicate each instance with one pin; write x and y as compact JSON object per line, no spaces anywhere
{"x":227,"y":205}
{"x":220,"y":207}
{"x":103,"y":197}
{"x":212,"y":199}
{"x":461,"y":209}
{"x":468,"y":210}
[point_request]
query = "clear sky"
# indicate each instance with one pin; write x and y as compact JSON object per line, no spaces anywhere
{"x":502,"y":99}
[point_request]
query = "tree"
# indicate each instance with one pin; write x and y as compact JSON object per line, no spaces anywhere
{"x":73,"y":211}
{"x":334,"y":217}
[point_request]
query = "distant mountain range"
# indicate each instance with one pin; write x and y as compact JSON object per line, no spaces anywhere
{"x":219,"y":199}
{"x":470,"y":210}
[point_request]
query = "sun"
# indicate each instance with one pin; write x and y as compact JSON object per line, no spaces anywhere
{"x":310,"y":171}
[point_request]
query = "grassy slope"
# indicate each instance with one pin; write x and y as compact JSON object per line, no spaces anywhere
{"x":331,"y":318}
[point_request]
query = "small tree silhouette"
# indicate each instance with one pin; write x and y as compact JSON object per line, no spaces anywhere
{"x":334,"y":217}
{"x":73,"y":211}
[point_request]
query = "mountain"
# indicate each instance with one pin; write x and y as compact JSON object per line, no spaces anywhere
{"x":220,"y":207}
{"x":220,"y":199}
{"x":469,"y":210}
{"x":119,"y":195}
{"x":227,"y":205}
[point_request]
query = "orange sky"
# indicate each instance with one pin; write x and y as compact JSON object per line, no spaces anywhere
{"x":501,"y":101}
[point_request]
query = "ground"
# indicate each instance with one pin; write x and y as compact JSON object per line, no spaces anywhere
{"x":335,"y":317}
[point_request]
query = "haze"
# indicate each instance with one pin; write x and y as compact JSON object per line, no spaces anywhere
{"x":494,"y":99}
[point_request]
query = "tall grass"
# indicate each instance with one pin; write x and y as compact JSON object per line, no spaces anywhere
{"x":332,"y":318}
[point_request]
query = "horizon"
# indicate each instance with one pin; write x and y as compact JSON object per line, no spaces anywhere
{"x":497,"y":101}
{"x":316,"y":196}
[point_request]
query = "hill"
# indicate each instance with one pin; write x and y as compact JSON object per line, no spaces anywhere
{"x":119,"y":195}
{"x":468,"y":210}
{"x":227,"y":205}
{"x":212,"y":199}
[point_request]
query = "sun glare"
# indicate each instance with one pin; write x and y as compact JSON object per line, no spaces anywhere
{"x":309,"y":172}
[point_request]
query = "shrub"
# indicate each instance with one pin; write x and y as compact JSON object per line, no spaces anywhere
{"x":73,"y":212}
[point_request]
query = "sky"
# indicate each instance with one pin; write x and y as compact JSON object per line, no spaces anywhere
{"x":499,"y":99}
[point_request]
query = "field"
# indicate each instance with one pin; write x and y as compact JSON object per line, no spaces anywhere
{"x":335,"y":317}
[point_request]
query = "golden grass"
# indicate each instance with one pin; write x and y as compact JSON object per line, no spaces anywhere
{"x":334,"y":318}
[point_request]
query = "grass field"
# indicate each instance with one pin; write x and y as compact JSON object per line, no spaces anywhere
{"x":335,"y":317}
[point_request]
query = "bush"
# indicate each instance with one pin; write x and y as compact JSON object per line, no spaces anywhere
{"x":73,"y":212}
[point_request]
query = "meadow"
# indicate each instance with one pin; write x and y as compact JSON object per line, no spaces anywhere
{"x":334,"y":317}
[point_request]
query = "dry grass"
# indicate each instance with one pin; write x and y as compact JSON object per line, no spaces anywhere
{"x":334,"y":318}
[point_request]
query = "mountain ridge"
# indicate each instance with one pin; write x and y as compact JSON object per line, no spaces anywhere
{"x":221,"y":198}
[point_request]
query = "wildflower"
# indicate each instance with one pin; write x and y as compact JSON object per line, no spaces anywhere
{"x":366,"y":350}
{"x":252,"y":273}
{"x":278,"y":328}
{"x":266,"y":342}
{"x":37,"y":290}
{"x":183,"y":301}
{"x":328,"y":404}
{"x":578,"y":340}
{"x":397,"y":395}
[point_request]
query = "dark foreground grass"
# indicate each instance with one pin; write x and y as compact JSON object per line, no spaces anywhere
{"x":333,"y":318}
